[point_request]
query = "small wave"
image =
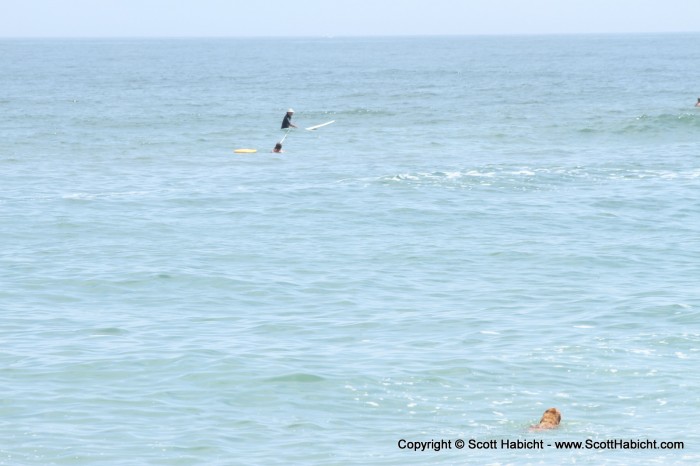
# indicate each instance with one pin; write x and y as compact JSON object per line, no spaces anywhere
{"x":661,"y":123}
{"x":531,"y":178}
{"x":106,"y":332}
{"x":403,"y":177}
{"x":298,"y":377}
{"x":520,"y":178}
{"x":644,"y":125}
{"x":108,"y":195}
{"x":361,"y":111}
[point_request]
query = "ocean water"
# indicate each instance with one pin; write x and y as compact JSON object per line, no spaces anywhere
{"x":493,"y":226}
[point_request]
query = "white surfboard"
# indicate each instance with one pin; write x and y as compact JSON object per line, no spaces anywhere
{"x":312,"y":128}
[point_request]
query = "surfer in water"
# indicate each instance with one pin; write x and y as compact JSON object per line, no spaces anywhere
{"x":287,"y":122}
{"x":278,"y":148}
{"x":698,"y":103}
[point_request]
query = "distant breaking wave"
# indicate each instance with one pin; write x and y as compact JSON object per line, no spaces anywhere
{"x":649,"y":125}
{"x":530,"y":178}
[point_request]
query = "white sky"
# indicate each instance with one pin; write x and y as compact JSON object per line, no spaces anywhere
{"x":240,"y":18}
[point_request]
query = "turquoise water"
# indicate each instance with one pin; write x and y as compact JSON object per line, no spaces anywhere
{"x":493,"y":226}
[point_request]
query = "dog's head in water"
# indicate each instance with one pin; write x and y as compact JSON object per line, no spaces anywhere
{"x":550,"y":419}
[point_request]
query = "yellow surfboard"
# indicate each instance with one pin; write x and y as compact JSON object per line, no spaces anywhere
{"x":245,"y":151}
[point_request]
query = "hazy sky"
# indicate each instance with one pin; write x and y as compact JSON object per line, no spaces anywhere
{"x":206,"y":18}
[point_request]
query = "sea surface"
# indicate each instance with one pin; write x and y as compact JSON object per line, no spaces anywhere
{"x":492,"y":226}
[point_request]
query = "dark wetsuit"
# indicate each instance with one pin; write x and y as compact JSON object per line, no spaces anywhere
{"x":287,"y":122}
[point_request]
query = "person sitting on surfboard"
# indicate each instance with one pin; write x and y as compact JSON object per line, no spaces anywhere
{"x":278,"y":147}
{"x":287,"y":122}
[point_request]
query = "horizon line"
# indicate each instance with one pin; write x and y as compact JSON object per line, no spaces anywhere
{"x":341,"y":36}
